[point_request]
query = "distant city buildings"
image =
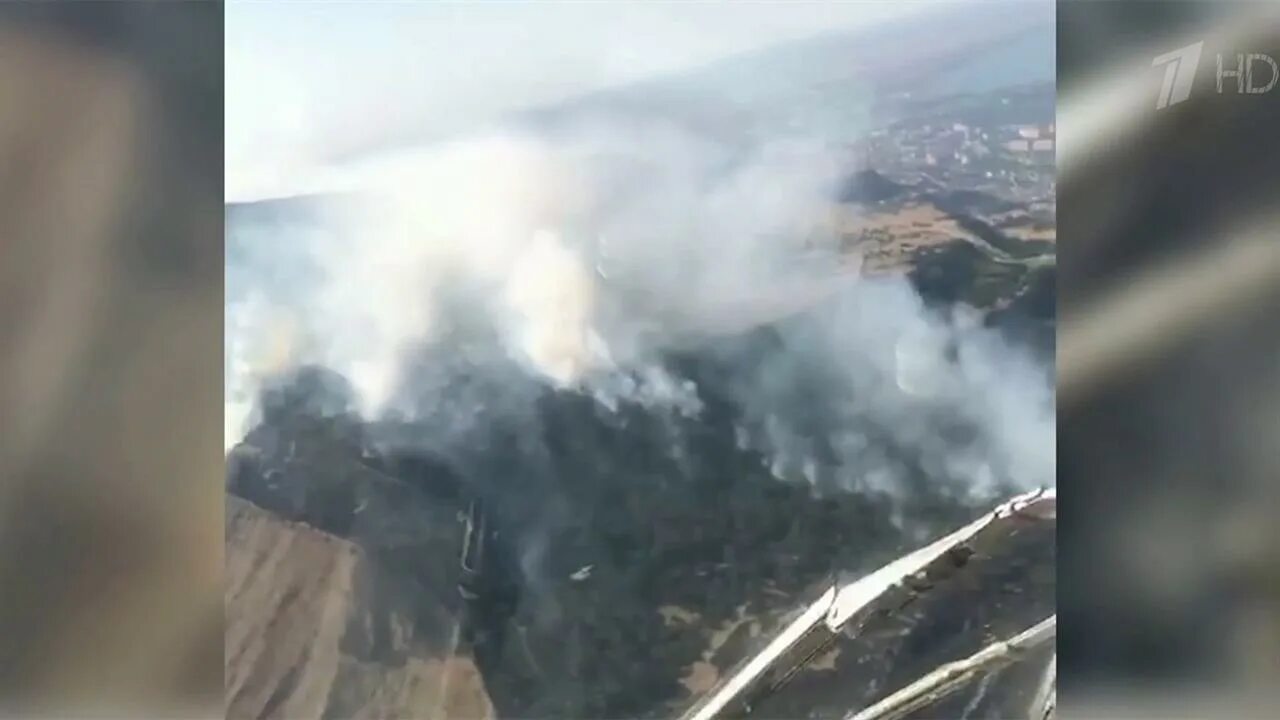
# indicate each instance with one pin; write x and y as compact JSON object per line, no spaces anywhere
{"x":1012,"y":160}
{"x":1032,"y":139}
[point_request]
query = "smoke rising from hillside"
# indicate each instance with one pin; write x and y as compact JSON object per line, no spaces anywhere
{"x":587,"y":257}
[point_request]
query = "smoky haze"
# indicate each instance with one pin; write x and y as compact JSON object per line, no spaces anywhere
{"x":651,"y":267}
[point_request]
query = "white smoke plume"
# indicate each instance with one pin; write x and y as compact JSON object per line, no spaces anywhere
{"x":592,"y":251}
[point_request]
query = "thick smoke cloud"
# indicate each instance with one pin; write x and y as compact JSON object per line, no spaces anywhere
{"x":461,"y":281}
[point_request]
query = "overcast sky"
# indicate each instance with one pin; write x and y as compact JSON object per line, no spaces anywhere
{"x":311,"y":81}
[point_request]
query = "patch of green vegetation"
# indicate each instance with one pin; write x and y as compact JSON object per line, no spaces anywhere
{"x":961,"y":272}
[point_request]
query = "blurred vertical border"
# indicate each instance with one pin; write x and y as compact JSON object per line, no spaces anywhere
{"x":111,"y":465}
{"x":1169,"y":361}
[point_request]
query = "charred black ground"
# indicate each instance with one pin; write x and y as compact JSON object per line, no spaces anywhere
{"x":599,"y":526}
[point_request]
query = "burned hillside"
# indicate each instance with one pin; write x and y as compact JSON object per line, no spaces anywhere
{"x":613,"y":561}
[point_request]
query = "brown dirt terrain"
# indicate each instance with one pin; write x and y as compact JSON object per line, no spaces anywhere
{"x":304,"y":612}
{"x":888,"y":238}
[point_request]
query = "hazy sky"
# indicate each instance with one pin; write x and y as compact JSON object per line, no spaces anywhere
{"x":308,"y":82}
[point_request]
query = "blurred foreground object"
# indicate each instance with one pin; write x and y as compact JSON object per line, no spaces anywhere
{"x":1168,"y":383}
{"x":951,"y":677}
{"x":110,"y":284}
{"x":860,"y":617}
